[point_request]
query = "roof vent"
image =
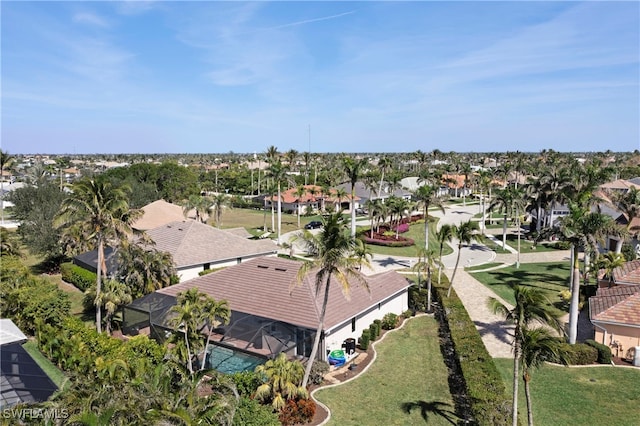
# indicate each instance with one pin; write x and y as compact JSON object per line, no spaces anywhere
{"x":281,"y":269}
{"x":263,"y":267}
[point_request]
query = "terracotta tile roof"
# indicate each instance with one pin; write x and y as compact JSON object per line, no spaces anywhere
{"x":619,"y":304}
{"x":192,"y":243}
{"x":157,"y":214}
{"x":288,"y":196}
{"x":629,"y":273}
{"x":268,"y":287}
{"x":620,"y":184}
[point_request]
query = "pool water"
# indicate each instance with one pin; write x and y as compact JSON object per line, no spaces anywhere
{"x":228,"y":361}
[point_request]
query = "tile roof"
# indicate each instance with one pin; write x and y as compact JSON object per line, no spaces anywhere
{"x":619,"y":304}
{"x":157,"y":214}
{"x":192,"y":243}
{"x":268,"y":287}
{"x":629,"y":273}
{"x":620,"y":184}
{"x":288,"y":196}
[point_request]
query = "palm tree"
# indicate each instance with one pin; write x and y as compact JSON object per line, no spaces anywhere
{"x":581,"y":228}
{"x":102,"y":212}
{"x":145,"y":270}
{"x":353,"y":168}
{"x":629,"y":204}
{"x":215,"y":313}
{"x":503,"y":202}
{"x":531,"y":305}
{"x":466,"y":232}
{"x":277,"y":171}
{"x":114,"y":294}
{"x":427,"y":196}
{"x":443,"y":235}
{"x":219,"y":203}
{"x":538,"y":346}
{"x":201,"y":205}
{"x":300,"y":192}
{"x":187,"y":318}
{"x":427,"y":260}
{"x":610,"y":261}
{"x":384,"y":164}
{"x":283,"y":381}
{"x":334,"y":258}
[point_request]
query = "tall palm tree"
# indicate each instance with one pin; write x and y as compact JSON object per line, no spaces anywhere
{"x":145,"y":270}
{"x":277,"y":171}
{"x":443,"y":235}
{"x":102,"y":212}
{"x":427,"y":261}
{"x":427,"y":196}
{"x":465,"y":233}
{"x":384,"y":165}
{"x":538,"y":345}
{"x":214,"y":314}
{"x":531,"y":305}
{"x":503,"y":202}
{"x":283,"y":381}
{"x":581,"y":228}
{"x":334,"y":258}
{"x":187,"y":317}
{"x":220,"y":202}
{"x":353,"y":168}
{"x":299,"y":193}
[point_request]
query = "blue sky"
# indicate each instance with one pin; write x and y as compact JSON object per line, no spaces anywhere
{"x":215,"y":77}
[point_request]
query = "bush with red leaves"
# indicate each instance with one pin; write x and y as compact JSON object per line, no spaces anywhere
{"x":297,"y":411}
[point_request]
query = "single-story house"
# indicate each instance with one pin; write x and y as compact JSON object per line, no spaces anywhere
{"x":21,"y":378}
{"x":364,"y":193}
{"x":313,"y":199}
{"x":194,"y":246}
{"x":615,"y":315}
{"x":273,"y":312}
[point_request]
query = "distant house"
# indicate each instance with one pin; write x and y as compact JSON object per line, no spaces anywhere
{"x":312,"y":200}
{"x":272,"y":312}
{"x":194,"y":247}
{"x":21,"y":378}
{"x":364,"y":193}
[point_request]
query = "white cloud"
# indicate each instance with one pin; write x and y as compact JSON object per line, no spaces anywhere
{"x":90,"y":19}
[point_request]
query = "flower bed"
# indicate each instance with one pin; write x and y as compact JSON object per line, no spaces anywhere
{"x":389,"y":241}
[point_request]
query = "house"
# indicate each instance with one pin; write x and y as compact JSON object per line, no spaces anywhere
{"x":194,"y":247}
{"x":273,"y":312}
{"x":157,"y":214}
{"x":615,"y":315}
{"x":21,"y":378}
{"x":365,"y":193}
{"x":313,"y":199}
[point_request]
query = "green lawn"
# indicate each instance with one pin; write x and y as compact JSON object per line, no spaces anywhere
{"x":483,"y":266}
{"x":551,"y":277}
{"x":408,"y":375}
{"x":254,"y":219}
{"x":51,"y":370}
{"x":578,"y":396}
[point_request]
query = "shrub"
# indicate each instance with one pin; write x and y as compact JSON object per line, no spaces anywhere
{"x":79,"y":277}
{"x":484,"y":387}
{"x":297,"y":411}
{"x":408,"y":313}
{"x":388,"y":241}
{"x":378,"y":325}
{"x":417,"y":298}
{"x":402,"y":228}
{"x":247,"y":382}
{"x":628,"y":252}
{"x":579,"y":354}
{"x":373,"y":335}
{"x":604,"y":351}
{"x":251,"y":412}
{"x":364,"y":340}
{"x":562,"y":245}
{"x":389,"y":321}
{"x":318,"y":370}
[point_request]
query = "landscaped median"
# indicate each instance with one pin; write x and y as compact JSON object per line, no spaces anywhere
{"x":490,"y":404}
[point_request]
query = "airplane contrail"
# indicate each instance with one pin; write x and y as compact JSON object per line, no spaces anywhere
{"x":308,"y":21}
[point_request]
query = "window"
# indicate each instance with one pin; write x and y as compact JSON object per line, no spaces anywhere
{"x":353,"y":324}
{"x":207,"y":266}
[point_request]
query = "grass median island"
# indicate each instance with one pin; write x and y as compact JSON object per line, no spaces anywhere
{"x":578,"y":396}
{"x":550,"y":277}
{"x":406,"y":384}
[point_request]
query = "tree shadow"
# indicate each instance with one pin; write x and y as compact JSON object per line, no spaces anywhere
{"x":390,"y":261}
{"x":431,"y":408}
{"x":502,"y":330}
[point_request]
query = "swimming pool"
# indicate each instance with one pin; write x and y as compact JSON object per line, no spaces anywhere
{"x":229,"y":361}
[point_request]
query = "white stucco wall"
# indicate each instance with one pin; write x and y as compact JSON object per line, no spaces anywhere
{"x":396,"y":305}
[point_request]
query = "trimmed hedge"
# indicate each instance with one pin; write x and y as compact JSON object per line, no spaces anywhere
{"x":364,"y":339}
{"x":490,"y":404}
{"x":77,"y":276}
{"x":400,"y":242}
{"x":579,"y":354}
{"x":604,"y":351}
